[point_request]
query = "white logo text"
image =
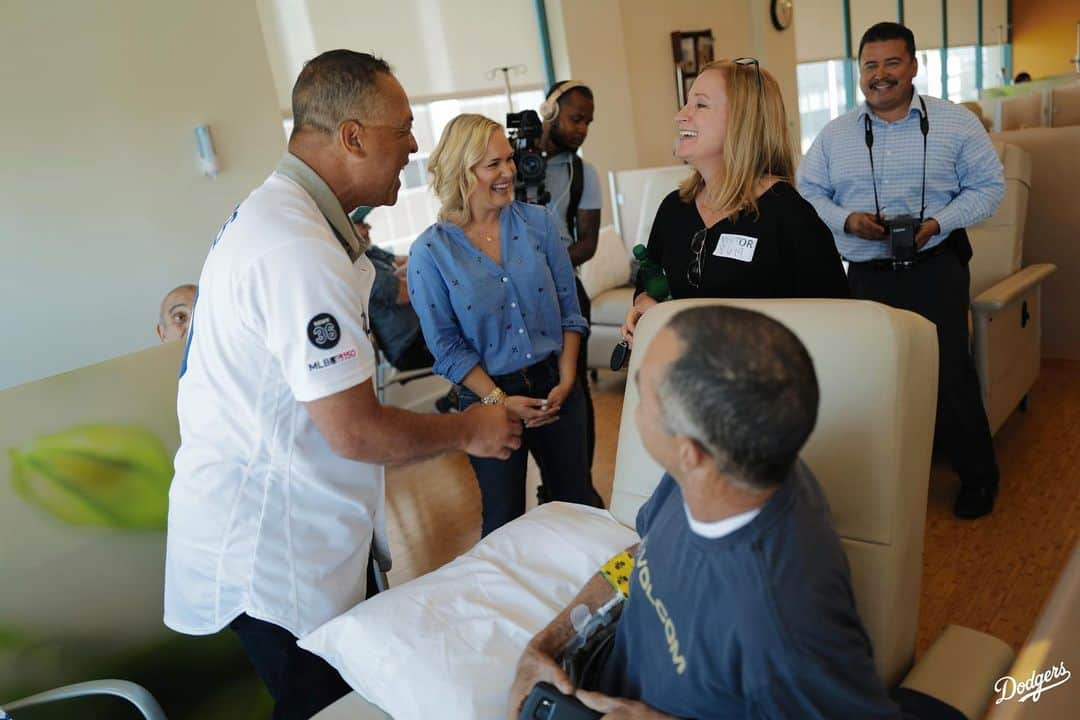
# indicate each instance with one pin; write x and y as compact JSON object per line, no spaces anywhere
{"x":1033,"y":688}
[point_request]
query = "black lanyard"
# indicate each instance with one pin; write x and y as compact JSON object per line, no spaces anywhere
{"x":924,"y":126}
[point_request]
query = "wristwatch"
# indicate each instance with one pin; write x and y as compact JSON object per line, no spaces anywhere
{"x":494,"y":397}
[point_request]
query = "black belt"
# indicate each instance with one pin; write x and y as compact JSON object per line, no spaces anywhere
{"x":956,"y":242}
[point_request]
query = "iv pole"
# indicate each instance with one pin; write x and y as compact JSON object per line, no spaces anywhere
{"x":506,"y":70}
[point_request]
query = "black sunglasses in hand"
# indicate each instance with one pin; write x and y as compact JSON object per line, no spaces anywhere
{"x":697,"y":264}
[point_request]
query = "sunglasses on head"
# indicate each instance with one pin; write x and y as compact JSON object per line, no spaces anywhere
{"x":757,"y":66}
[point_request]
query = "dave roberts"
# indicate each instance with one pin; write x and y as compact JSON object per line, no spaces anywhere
{"x":1009,"y":687}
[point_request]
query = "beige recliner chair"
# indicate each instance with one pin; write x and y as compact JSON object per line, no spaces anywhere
{"x":636,"y":195}
{"x":1026,"y":110}
{"x":870,"y":450}
{"x":1006,"y":299}
{"x":1052,"y":647}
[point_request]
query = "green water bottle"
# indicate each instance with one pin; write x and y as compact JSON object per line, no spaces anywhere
{"x":653,"y":278}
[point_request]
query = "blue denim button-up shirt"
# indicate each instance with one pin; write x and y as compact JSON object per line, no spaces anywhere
{"x":503,"y":317}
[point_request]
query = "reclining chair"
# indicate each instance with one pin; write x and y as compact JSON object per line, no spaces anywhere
{"x":870,"y":450}
{"x":1005,"y":298}
{"x":386,"y":375}
{"x":1052,"y":641}
{"x":137,"y":695}
{"x":636,"y":195}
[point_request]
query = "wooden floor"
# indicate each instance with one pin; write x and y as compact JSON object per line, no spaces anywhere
{"x":993,"y":574}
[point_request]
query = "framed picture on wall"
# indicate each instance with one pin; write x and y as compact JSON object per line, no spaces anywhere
{"x":687,"y":83}
{"x":691,"y":51}
{"x":687,"y":56}
{"x":704,"y":51}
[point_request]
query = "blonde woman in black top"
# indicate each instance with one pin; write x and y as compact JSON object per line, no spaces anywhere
{"x":737,"y":227}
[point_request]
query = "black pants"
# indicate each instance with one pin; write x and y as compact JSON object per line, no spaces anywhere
{"x":414,"y":357}
{"x":300,"y":682}
{"x":938,"y":289}
{"x":559,"y":449}
{"x":583,"y":372}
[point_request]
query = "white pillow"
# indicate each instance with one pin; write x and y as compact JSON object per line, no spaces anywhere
{"x":446,"y":644}
{"x":609,"y":267}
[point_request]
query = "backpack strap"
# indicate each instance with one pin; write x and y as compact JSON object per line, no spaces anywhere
{"x":577,"y":188}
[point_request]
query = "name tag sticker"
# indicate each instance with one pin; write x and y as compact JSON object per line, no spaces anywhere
{"x":736,"y":247}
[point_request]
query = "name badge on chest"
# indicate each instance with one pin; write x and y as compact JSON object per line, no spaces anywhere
{"x":736,"y":247}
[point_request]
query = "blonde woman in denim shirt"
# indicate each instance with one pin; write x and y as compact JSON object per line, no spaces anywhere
{"x":494,"y":289}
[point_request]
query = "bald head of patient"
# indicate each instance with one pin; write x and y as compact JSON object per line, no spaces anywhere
{"x":174,"y":316}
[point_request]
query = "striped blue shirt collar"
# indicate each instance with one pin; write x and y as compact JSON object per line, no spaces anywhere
{"x":864,"y":109}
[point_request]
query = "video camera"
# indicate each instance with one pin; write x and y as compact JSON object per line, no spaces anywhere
{"x":902,"y":230}
{"x":525,"y":130}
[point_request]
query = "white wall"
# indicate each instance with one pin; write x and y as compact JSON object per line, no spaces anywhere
{"x":102,"y":207}
{"x":623,"y":50}
{"x":588,"y":45}
{"x":436,"y":47}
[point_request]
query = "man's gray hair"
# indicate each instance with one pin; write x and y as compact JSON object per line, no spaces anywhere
{"x":335,"y":86}
{"x":744,"y":388}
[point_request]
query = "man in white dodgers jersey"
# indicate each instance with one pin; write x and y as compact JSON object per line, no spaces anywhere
{"x":277,"y":502}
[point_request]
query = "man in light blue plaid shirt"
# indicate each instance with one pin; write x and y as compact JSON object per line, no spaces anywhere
{"x":964,"y":184}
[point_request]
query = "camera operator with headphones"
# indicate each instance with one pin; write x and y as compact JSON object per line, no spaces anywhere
{"x":575,"y":201}
{"x":897,"y":180}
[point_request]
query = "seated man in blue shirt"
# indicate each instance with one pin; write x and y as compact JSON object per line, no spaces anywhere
{"x":740,"y":602}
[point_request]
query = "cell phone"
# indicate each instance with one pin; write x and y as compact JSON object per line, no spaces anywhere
{"x":545,"y":702}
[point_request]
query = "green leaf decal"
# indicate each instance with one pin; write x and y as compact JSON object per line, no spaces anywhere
{"x":113,"y":476}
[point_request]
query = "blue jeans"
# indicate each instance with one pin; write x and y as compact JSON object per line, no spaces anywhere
{"x":560,"y":450}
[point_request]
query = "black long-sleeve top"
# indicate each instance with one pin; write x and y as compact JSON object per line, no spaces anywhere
{"x":794,"y":254}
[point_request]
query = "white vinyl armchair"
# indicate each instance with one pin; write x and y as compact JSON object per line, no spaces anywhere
{"x":1005,"y":297}
{"x":636,"y":195}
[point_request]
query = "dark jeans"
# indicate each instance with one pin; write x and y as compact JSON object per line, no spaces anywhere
{"x":300,"y":682}
{"x":938,"y":289}
{"x":560,"y":450}
{"x":583,"y":372}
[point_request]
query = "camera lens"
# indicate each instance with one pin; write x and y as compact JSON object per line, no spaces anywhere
{"x":532,"y":167}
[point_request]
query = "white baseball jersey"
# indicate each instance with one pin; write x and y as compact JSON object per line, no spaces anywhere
{"x":264,"y":518}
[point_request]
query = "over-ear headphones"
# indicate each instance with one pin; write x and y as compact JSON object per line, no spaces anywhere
{"x":549,"y":110}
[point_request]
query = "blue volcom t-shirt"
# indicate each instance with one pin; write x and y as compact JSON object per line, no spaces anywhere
{"x":760,"y":623}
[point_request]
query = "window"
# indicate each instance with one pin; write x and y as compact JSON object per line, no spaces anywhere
{"x":821,"y":97}
{"x":961,"y":69}
{"x":993,"y":66}
{"x":928,"y":80}
{"x":395,"y":227}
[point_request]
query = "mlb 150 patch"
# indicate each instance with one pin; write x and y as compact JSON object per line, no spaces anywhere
{"x":323,"y":331}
